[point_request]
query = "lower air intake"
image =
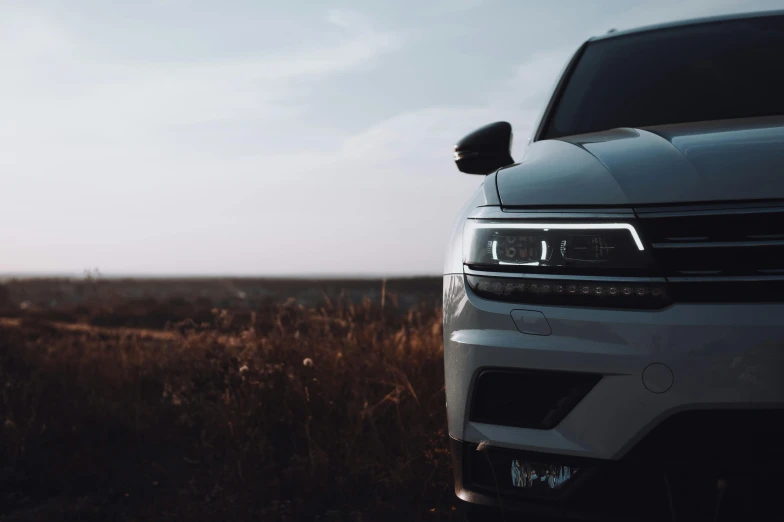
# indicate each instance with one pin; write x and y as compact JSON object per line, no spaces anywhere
{"x":528,"y":398}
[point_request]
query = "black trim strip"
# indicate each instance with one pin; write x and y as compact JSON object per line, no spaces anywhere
{"x":544,"y":123}
{"x":709,"y":209}
{"x":720,"y":244}
{"x":725,"y":279}
{"x":533,"y":275}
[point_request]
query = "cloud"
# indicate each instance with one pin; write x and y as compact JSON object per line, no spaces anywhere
{"x":425,"y":133}
{"x":443,"y":7}
{"x":97,"y":158}
{"x":26,"y":36}
{"x":430,"y":133}
{"x":524,"y":94}
{"x":98,"y":94}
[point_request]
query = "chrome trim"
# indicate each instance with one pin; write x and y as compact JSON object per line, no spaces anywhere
{"x":712,"y":210}
{"x":519,"y":275}
{"x":719,"y":244}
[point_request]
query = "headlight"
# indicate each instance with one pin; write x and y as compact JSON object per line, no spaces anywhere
{"x":583,"y":264}
{"x":577,"y":248}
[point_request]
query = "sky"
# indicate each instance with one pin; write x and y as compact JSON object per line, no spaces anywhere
{"x":287,"y":138}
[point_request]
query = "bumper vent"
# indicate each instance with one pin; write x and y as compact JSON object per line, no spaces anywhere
{"x":528,"y":398}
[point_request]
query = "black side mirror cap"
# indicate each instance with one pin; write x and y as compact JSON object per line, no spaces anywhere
{"x":485,"y":150}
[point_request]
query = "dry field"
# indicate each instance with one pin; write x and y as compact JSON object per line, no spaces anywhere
{"x":222,"y":399}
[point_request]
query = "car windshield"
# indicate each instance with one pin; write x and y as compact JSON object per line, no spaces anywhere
{"x":711,"y":71}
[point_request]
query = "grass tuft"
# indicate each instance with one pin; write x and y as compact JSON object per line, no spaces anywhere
{"x":284,"y":412}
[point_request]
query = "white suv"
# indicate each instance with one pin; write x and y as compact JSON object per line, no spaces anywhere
{"x":614,"y":302}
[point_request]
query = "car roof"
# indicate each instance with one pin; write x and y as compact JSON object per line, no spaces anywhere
{"x":694,"y":21}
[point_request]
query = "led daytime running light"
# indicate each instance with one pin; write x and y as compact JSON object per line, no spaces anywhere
{"x":565,"y":226}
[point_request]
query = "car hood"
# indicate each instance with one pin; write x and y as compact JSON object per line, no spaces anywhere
{"x":718,"y":161}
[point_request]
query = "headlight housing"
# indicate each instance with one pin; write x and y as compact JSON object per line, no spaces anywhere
{"x":556,"y":248}
{"x":577,"y":263}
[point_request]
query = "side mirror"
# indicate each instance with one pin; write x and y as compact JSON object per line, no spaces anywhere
{"x":485,"y":150}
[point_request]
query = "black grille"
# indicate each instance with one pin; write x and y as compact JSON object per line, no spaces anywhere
{"x":717,"y":243}
{"x":718,"y":254}
{"x":528,"y":398}
{"x":717,"y":291}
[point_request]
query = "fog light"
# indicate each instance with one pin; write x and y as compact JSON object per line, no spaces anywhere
{"x":545,"y":477}
{"x":536,"y":475}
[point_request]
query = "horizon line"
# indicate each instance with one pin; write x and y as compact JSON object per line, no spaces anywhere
{"x":100,"y":275}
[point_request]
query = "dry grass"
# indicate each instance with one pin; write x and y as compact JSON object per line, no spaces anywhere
{"x":331,"y":412}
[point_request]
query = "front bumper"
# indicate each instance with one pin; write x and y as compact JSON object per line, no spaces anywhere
{"x":721,"y":357}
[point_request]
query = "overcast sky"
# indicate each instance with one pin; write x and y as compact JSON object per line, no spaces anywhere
{"x":267,"y":138}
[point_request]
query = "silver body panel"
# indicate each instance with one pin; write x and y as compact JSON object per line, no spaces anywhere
{"x":721,"y":356}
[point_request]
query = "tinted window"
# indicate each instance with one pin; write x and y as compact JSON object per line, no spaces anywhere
{"x":714,"y":71}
